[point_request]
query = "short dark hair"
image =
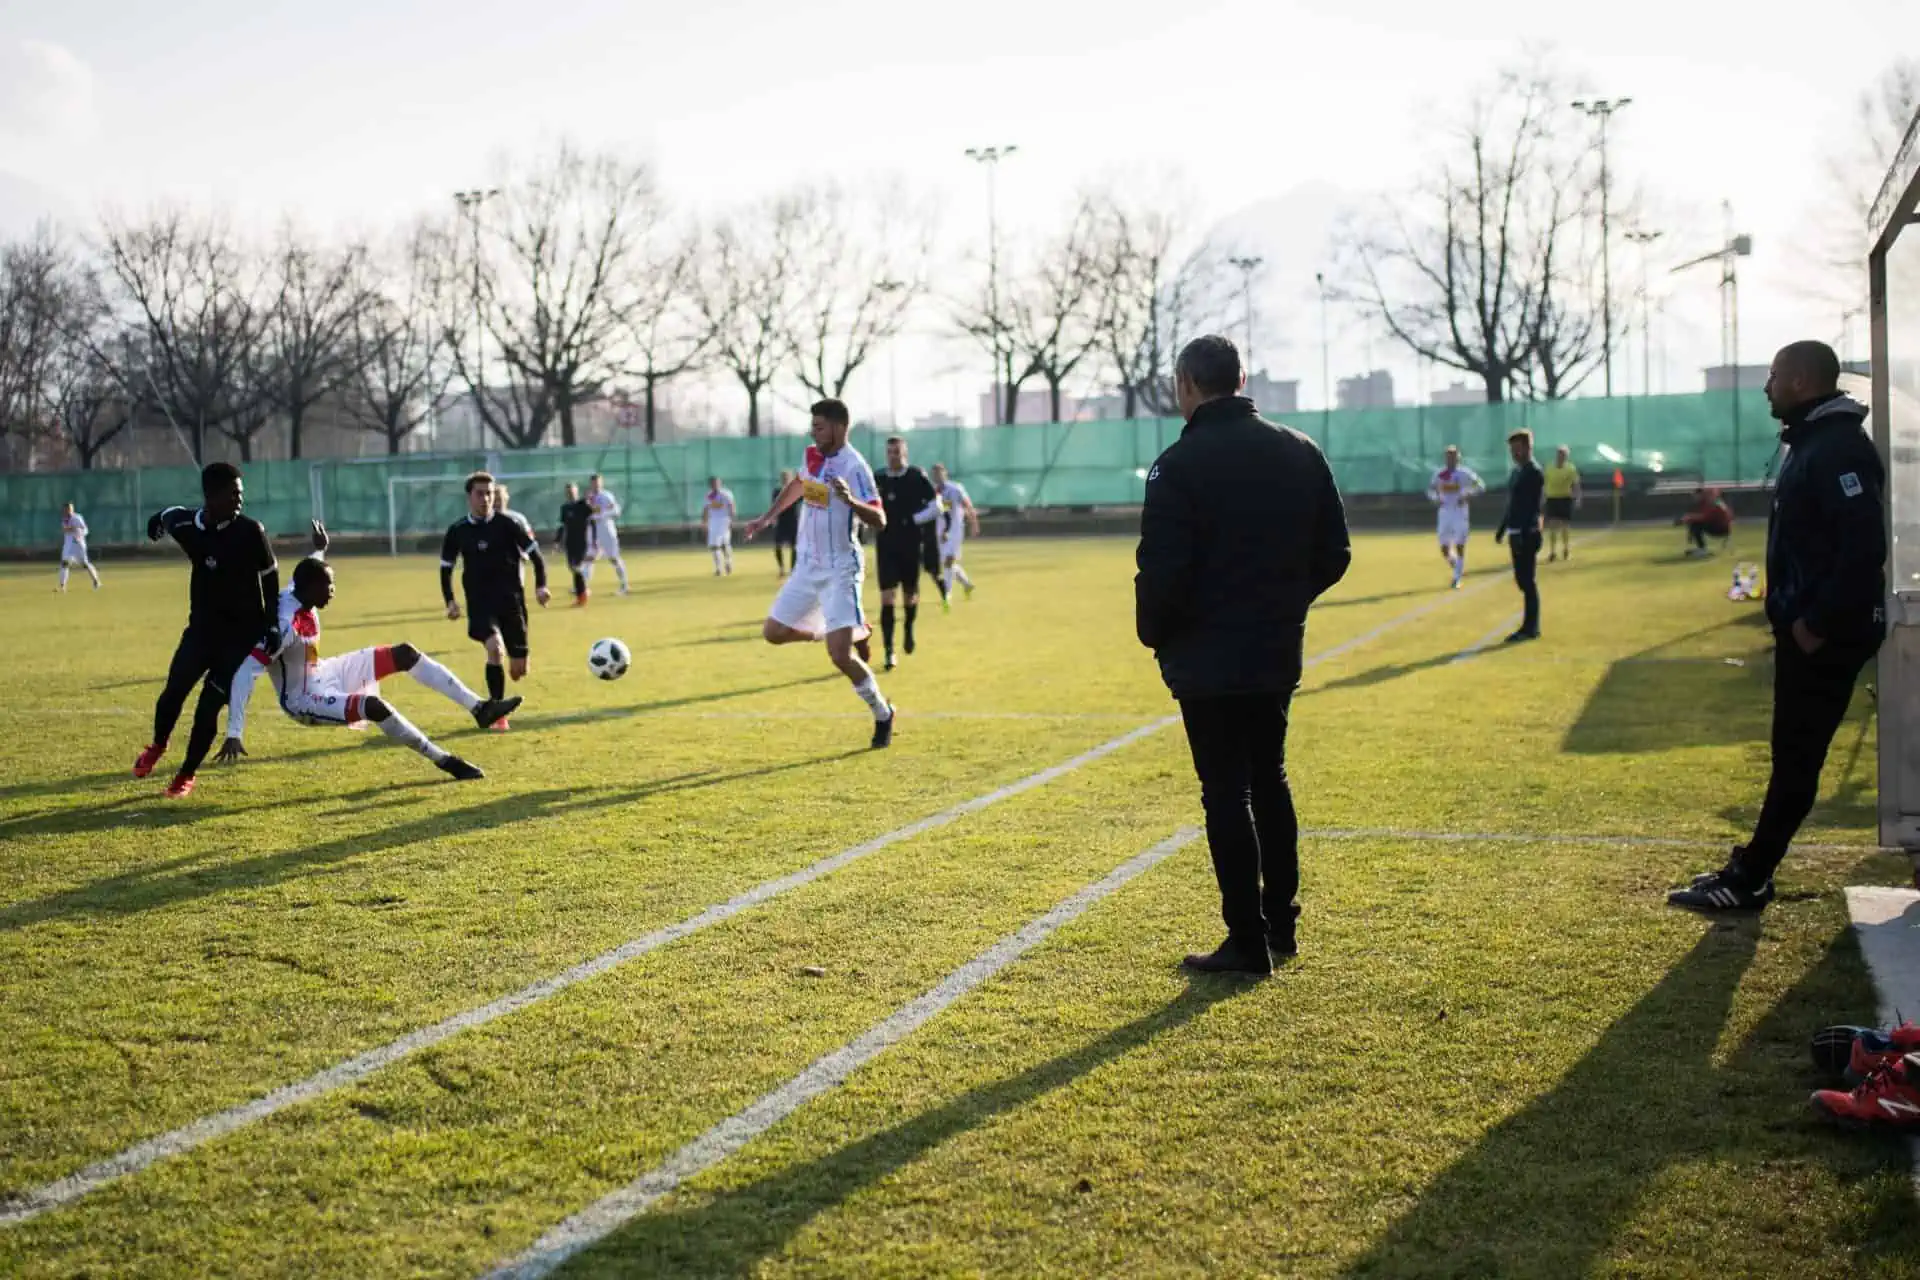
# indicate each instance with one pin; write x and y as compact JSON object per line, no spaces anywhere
{"x":1813,"y":361}
{"x":899,"y":440}
{"x":307,"y":570}
{"x":834,"y":411}
{"x":479,"y":478}
{"x":1211,"y":364}
{"x":217,"y":477}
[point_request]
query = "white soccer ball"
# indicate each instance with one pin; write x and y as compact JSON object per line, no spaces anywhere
{"x":608,"y":659}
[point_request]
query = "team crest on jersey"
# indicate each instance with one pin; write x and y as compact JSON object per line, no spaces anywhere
{"x":211,"y":563}
{"x":1850,"y":484}
{"x":482,"y":544}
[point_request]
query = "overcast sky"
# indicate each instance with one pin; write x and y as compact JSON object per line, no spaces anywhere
{"x":357,"y":113}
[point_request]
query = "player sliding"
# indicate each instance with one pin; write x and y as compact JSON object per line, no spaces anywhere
{"x":345,"y":689}
{"x":960,"y":520}
{"x":73,"y":547}
{"x":1450,"y":490}
{"x":822,"y":598}
{"x":490,"y":544}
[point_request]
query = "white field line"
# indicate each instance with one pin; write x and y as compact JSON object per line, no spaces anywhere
{"x":607,"y":1215}
{"x":35,"y":1201}
{"x":1492,"y":637}
{"x":1556,"y":837}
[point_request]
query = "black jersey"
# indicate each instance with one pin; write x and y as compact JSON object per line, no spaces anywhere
{"x":231,"y":561}
{"x":904,"y":496}
{"x":574,"y":518}
{"x":489,"y":551}
{"x":786,"y":528}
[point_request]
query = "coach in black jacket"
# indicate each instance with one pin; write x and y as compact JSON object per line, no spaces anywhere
{"x":1826,"y":602}
{"x":1241,"y":531}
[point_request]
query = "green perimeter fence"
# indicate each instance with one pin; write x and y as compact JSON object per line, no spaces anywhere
{"x":1074,"y":464}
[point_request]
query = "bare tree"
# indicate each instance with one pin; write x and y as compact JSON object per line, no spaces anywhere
{"x":1449,"y":268}
{"x":399,"y":368}
{"x":1565,"y":343}
{"x":85,"y":402}
{"x":667,"y":335}
{"x":746,"y":295}
{"x":318,"y":296}
{"x":1054,"y":309}
{"x":37,"y":282}
{"x":858,"y":268}
{"x":1156,"y":288}
{"x":187,"y":286}
{"x":1836,"y":261}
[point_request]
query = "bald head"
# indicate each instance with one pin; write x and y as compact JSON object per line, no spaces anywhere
{"x":1802,"y":372}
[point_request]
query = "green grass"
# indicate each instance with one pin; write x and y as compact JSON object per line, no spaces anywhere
{"x":1493,"y":1057}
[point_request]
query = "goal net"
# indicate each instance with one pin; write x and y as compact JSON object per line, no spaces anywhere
{"x":421,"y":507}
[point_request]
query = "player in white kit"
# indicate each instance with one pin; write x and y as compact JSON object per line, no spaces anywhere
{"x":719,"y":517}
{"x":344,"y":689}
{"x":73,"y":547}
{"x":957,"y":520}
{"x":821,"y":599}
{"x":1450,"y":490}
{"x":603,"y":535}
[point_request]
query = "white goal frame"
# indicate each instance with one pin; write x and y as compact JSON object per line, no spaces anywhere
{"x":395,"y":483}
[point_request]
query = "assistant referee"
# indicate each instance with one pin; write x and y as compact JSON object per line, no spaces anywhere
{"x":1563,"y":495}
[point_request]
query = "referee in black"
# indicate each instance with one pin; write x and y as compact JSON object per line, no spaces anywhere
{"x":489,"y":544}
{"x":1241,"y":531}
{"x":912,"y":507}
{"x":576,"y":515}
{"x":1826,"y":602}
{"x":1520,"y":530}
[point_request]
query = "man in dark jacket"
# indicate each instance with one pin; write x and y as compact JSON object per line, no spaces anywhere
{"x":1826,"y":601}
{"x":1520,"y":530}
{"x":1242,"y":530}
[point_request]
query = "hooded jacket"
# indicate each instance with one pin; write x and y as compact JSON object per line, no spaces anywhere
{"x":1827,"y":536}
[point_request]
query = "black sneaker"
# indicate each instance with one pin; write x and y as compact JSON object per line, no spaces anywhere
{"x":883,"y":732}
{"x":1722,"y":892}
{"x":1234,"y":958}
{"x":909,"y":645}
{"x":1522,"y":635}
{"x":891,"y":662}
{"x":1281,"y":948}
{"x":459,"y":770}
{"x":494,"y":709}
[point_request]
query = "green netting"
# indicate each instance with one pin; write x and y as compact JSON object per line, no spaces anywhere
{"x":1076,"y":464}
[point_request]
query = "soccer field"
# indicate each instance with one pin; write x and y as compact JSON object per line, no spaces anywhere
{"x":919,"y":1012}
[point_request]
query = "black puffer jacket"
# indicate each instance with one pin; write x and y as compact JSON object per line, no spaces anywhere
{"x":1242,"y":530}
{"x":1827,"y":538}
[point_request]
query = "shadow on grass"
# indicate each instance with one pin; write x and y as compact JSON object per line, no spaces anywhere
{"x":1548,"y":1191}
{"x":129,"y":815}
{"x":596,"y":714}
{"x":1855,"y":802}
{"x":729,"y":1233}
{"x":1646,"y":704}
{"x":153,"y":888}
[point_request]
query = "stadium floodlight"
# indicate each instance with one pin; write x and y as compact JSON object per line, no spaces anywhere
{"x":1602,"y":109}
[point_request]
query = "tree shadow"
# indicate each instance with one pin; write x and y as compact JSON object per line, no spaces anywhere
{"x":731,"y":1231}
{"x":1571,"y":1168}
{"x":1647,"y":704}
{"x":117,"y":816}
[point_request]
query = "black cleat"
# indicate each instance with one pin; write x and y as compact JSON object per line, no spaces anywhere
{"x":459,"y":770}
{"x":493,"y":710}
{"x":1233,"y":958}
{"x":883,"y":732}
{"x":1521,"y":636}
{"x":891,"y":661}
{"x":909,"y":644}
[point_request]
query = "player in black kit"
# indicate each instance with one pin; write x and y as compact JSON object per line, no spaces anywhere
{"x":490,"y":544}
{"x":234,"y":593}
{"x":912,"y":506}
{"x":575,"y":515}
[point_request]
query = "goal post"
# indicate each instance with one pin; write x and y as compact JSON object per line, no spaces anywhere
{"x":425,"y":505}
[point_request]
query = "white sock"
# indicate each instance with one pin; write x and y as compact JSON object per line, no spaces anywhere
{"x":870,"y":694}
{"x":716,"y":560}
{"x":946,"y":580}
{"x":401,"y":730}
{"x":726,"y":554}
{"x":93,"y":573}
{"x":586,"y":572}
{"x":620,"y":570}
{"x":444,"y":682}
{"x":63,"y":575}
{"x":961,"y":575}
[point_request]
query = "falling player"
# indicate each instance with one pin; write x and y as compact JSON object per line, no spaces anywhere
{"x":1451,"y":488}
{"x":490,"y":544}
{"x":235,"y":583}
{"x":960,"y":520}
{"x":912,"y":507}
{"x":73,"y":547}
{"x":821,"y":600}
{"x":344,"y":689}
{"x":720,"y":514}
{"x":575,"y":516}
{"x":604,"y":533}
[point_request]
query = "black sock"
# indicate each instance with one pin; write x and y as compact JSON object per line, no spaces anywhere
{"x":206,"y":723}
{"x":913,"y":611}
{"x":496,"y":681}
{"x":886,"y":625}
{"x":579,"y":583}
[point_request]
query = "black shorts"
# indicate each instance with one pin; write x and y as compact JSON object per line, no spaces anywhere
{"x":576,"y":553}
{"x":898,"y":562}
{"x":212,"y":653}
{"x":930,"y":547}
{"x":504,"y":614}
{"x":1559,"y":508}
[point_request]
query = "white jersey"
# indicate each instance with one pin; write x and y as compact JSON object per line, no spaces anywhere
{"x":1451,"y":487}
{"x":720,"y":512}
{"x":74,"y":527}
{"x":606,"y":508}
{"x":828,"y":537}
{"x":953,"y":508}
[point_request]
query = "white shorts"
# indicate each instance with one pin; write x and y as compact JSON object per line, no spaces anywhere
{"x":335,"y":689}
{"x":824,"y":600}
{"x":951,"y":541}
{"x":73,"y":551}
{"x":1453,"y":529}
{"x":720,"y":538}
{"x":604,"y":544}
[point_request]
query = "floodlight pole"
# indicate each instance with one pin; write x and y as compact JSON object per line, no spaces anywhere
{"x":1247,"y":265}
{"x":1326,"y":366}
{"x":1728,"y":256}
{"x":991,"y":158}
{"x":1602,"y":109}
{"x":470,"y":203}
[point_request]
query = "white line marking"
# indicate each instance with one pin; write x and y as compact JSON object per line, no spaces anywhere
{"x":1557,"y":837}
{"x":607,"y":1215}
{"x":1500,"y":632}
{"x":32,"y":1203}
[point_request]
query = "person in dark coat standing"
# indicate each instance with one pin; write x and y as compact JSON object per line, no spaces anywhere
{"x":1826,"y":603}
{"x":1241,"y":531}
{"x":1520,"y":529}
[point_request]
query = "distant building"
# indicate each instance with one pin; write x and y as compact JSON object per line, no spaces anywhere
{"x":1745,"y":377}
{"x":1459,"y":393}
{"x":1276,"y":397}
{"x":1372,"y":390}
{"x":936,"y":421}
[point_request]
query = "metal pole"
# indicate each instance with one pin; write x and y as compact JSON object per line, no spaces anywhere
{"x":1602,"y":109}
{"x":1247,"y":266}
{"x":991,"y":157}
{"x":1326,"y":376}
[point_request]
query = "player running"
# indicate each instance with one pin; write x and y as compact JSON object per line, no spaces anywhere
{"x":235,"y":583}
{"x":575,"y":516}
{"x":960,"y":520}
{"x":490,"y":544}
{"x":1563,"y":495}
{"x":912,"y":507}
{"x":603,"y":536}
{"x":73,"y":547}
{"x":822,"y":598}
{"x":1451,"y":488}
{"x":720,"y":516}
{"x":344,"y":689}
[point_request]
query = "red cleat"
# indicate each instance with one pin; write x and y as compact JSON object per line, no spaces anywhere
{"x":144,"y":762}
{"x":580,"y":600}
{"x":1888,"y":1099}
{"x":500,"y":725}
{"x":181,"y":787}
